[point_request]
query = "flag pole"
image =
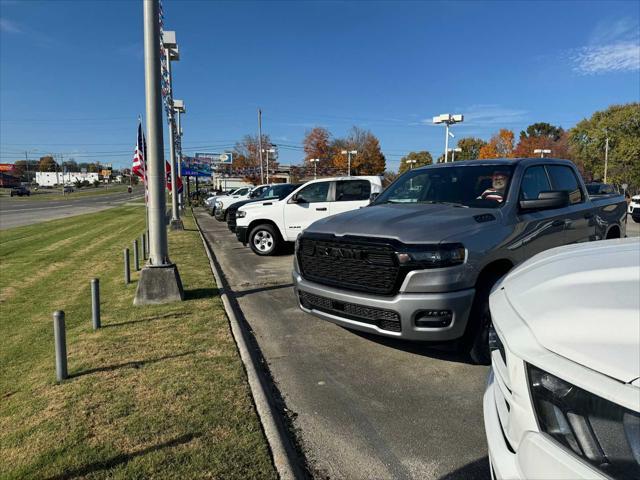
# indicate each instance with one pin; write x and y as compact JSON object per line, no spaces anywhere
{"x":144,"y":183}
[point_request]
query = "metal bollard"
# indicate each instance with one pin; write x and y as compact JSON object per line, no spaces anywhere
{"x":60,"y":340}
{"x":127,"y":270}
{"x":148,"y":240}
{"x":95,"y":303}
{"x":136,"y":260}
{"x":143,"y":242}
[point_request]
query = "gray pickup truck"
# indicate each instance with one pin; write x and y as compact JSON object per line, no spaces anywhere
{"x":420,"y":261}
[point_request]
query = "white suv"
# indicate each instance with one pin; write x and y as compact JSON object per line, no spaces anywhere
{"x":634,"y":208}
{"x":563,"y":396}
{"x":265,"y":226}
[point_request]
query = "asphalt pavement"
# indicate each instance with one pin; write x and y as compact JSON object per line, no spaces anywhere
{"x":362,"y":407}
{"x":18,"y":211}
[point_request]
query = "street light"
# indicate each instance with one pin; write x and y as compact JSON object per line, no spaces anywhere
{"x":172,"y":54}
{"x":268,"y":151}
{"x":448,"y":120}
{"x":315,"y":166}
{"x":542,"y":151}
{"x":453,"y":153}
{"x":349,"y":153}
{"x":410,"y":162}
{"x":179,"y":108}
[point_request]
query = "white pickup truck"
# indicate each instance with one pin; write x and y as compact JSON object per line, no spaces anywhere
{"x":267,"y":225}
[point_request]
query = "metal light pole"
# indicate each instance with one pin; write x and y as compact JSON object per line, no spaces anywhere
{"x":542,"y":151}
{"x":606,"y":158}
{"x":260,"y":144}
{"x":172,"y":54}
{"x":315,"y":167}
{"x":448,"y":119}
{"x":453,"y":153}
{"x":159,"y":280}
{"x":349,"y":153}
{"x":268,"y":151}
{"x":178,"y":106}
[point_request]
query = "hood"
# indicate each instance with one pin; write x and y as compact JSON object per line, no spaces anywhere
{"x":260,"y":203}
{"x":582,"y":302}
{"x":407,"y":223}
{"x":242,"y":203}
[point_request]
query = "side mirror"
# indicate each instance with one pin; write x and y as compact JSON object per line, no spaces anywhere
{"x":547,"y":200}
{"x":373,"y":196}
{"x":299,"y":199}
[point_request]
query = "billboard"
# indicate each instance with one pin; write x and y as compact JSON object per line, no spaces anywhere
{"x":212,"y":158}
{"x":195,"y":167}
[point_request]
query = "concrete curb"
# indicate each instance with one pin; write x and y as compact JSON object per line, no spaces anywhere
{"x":282,"y":450}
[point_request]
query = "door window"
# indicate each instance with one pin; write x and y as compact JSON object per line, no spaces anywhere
{"x":316,"y":192}
{"x":352,"y":190}
{"x":534,"y":181}
{"x":242,"y":191}
{"x":563,"y":178}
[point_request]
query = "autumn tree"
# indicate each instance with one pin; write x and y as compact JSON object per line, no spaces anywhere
{"x":621,"y":125}
{"x":543,"y":136}
{"x":542,"y":130}
{"x":500,"y":145}
{"x":47,"y":164}
{"x":470,"y":148}
{"x":317,"y":144}
{"x":246,"y":157}
{"x":368,"y":161}
{"x":422,"y":158}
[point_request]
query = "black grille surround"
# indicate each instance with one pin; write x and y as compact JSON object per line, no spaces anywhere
{"x":383,"y":319}
{"x":360,"y":264}
{"x":231,"y":216}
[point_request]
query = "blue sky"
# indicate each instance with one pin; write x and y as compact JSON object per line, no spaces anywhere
{"x":71,"y":73}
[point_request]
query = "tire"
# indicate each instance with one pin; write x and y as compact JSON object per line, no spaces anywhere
{"x":264,"y":240}
{"x":476,"y":338}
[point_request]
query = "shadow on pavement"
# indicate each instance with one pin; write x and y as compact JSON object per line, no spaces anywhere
{"x":478,"y":470}
{"x":122,"y":458}
{"x":441,"y":351}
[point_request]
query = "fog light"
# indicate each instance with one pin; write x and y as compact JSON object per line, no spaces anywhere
{"x":433,"y":318}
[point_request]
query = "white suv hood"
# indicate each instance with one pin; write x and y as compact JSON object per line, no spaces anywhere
{"x":583,"y":302}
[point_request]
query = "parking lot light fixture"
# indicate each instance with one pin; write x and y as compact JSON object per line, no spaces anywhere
{"x":349,"y":153}
{"x":268,"y":151}
{"x":542,"y":151}
{"x":448,"y":119}
{"x":315,"y":167}
{"x":411,"y":163}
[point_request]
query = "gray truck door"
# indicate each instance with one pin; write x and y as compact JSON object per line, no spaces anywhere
{"x":580,"y":226}
{"x":543,"y":229}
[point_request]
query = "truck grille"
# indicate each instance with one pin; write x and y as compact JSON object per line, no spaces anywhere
{"x":383,"y":319}
{"x":351,"y":264}
{"x":231,"y":217}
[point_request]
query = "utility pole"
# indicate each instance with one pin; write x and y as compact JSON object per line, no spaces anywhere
{"x":180,"y":109}
{"x":159,"y":279}
{"x":606,"y":158}
{"x":171,"y":53}
{"x":260,"y":143}
{"x":26,"y":162}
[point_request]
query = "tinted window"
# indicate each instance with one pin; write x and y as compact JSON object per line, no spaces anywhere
{"x":534,"y":181}
{"x":563,"y":178}
{"x":484,"y":186}
{"x":241,"y":191}
{"x":351,"y":190}
{"x":316,"y":192}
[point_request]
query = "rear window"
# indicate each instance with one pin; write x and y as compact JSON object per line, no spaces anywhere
{"x":563,"y":178}
{"x":352,"y":190}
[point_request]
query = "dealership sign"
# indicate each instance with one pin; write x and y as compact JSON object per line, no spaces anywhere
{"x":213,"y":158}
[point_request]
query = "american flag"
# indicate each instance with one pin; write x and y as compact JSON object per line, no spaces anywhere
{"x":139,"y":167}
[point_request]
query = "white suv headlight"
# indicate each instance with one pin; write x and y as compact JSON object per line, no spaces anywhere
{"x":241,"y":214}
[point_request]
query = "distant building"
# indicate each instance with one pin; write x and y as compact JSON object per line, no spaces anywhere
{"x":8,"y":178}
{"x":51,"y":179}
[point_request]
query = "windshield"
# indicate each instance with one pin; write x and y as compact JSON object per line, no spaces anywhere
{"x":482,"y":186}
{"x":279,"y":191}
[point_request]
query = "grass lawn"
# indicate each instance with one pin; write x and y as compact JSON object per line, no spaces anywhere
{"x":159,"y":392}
{"x":56,"y":194}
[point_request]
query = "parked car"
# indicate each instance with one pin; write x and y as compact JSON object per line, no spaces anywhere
{"x":597,"y":189}
{"x":240,"y":192}
{"x":67,"y":189}
{"x":222,"y":204}
{"x":563,"y":396}
{"x":275,"y":192}
{"x":634,"y":208}
{"x":20,"y":191}
{"x":419,"y":263}
{"x":266,"y":227}
{"x":208,"y":201}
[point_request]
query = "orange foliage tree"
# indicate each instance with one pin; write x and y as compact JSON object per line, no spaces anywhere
{"x":500,"y":145}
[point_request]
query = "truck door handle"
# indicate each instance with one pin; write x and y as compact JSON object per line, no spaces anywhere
{"x":321,"y":209}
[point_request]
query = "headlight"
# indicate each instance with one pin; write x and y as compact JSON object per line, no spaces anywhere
{"x":218,"y":204}
{"x":241,"y":214}
{"x":597,"y":430}
{"x":433,"y":256}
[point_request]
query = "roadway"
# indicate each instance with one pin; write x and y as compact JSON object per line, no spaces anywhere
{"x":18,"y":211}
{"x":361,"y":407}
